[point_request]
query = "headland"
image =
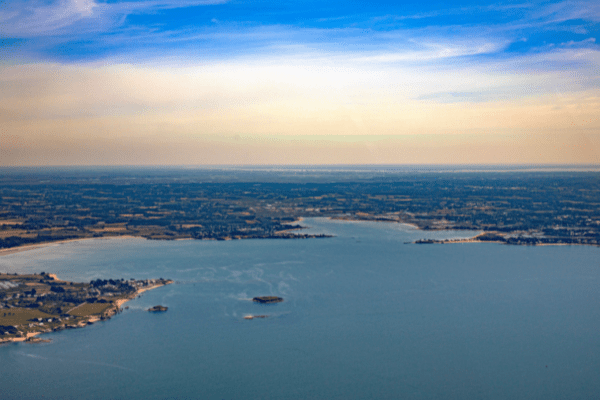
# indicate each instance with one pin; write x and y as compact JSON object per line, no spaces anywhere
{"x":40,"y":303}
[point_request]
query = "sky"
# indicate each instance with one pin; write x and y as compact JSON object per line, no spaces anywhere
{"x":209,"y":82}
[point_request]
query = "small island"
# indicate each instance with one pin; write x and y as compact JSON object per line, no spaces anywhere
{"x":32,"y":304}
{"x":255,"y":316}
{"x":158,"y":309}
{"x":267,"y":299}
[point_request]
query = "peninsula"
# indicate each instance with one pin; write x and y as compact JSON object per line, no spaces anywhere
{"x":39,"y":303}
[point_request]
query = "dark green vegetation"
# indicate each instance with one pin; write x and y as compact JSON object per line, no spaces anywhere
{"x":514,"y":207}
{"x":39,"y":303}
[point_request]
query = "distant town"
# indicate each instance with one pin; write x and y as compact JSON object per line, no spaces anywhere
{"x":510,"y":207}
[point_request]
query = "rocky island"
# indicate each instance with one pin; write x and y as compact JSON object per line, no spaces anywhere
{"x":40,"y":303}
{"x":267,"y":299}
{"x":255,"y":316}
{"x":158,"y":309}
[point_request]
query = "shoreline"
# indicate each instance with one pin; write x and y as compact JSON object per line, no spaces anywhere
{"x":350,"y":219}
{"x":292,"y":229}
{"x":108,"y":313}
{"x":19,"y":249}
{"x":452,"y":241}
{"x":21,"y":339}
{"x":27,"y":247}
{"x":475,"y":240}
{"x":118,"y":303}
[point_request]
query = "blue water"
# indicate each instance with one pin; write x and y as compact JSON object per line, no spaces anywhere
{"x":365,"y":316}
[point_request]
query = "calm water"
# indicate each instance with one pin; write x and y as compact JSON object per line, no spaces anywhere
{"x":366,"y":316}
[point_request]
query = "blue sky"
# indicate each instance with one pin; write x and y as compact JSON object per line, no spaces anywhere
{"x":285,"y":70}
{"x":84,"y":30}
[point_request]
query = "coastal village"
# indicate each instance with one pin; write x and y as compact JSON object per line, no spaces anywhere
{"x":40,"y":303}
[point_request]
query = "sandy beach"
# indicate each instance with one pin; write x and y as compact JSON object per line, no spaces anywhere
{"x":13,"y":250}
{"x":120,"y":302}
{"x":21,"y":339}
{"x":350,"y":219}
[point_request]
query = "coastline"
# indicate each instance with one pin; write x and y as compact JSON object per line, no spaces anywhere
{"x":292,"y":229}
{"x":21,"y":339}
{"x":288,"y":232}
{"x":27,"y":247}
{"x":350,"y":219}
{"x":109,"y":312}
{"x":473,"y":239}
{"x":120,"y":302}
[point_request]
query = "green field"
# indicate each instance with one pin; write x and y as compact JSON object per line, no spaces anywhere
{"x":89,"y":309}
{"x":21,"y":316}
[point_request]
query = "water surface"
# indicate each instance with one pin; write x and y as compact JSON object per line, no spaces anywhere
{"x":366,"y":315}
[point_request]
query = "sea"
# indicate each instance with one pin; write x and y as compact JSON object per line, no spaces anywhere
{"x":367,"y":314}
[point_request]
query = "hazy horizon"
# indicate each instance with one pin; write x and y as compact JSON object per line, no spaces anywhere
{"x":317,"y":168}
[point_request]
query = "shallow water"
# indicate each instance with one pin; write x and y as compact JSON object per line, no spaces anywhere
{"x":365,"y":316}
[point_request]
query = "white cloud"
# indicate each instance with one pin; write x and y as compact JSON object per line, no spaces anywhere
{"x":434,"y":51}
{"x":83,"y":7}
{"x":573,"y":43}
{"x":569,"y":10}
{"x":36,"y":18}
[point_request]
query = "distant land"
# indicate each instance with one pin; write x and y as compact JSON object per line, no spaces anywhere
{"x":528,"y":205}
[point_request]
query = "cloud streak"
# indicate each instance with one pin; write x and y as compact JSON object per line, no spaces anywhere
{"x":35,"y":18}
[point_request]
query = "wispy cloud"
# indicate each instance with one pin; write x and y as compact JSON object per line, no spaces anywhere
{"x":435,"y":51}
{"x":410,"y":16}
{"x":73,"y":30}
{"x":36,"y":18}
{"x":568,"y":10}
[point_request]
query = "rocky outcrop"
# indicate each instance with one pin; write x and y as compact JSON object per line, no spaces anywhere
{"x":33,"y":339}
{"x":158,"y":309}
{"x":267,"y":299}
{"x":255,"y":316}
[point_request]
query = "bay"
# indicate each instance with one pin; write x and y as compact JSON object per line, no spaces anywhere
{"x":366,"y":315}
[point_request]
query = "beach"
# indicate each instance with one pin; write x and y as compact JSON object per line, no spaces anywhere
{"x":19,"y":249}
